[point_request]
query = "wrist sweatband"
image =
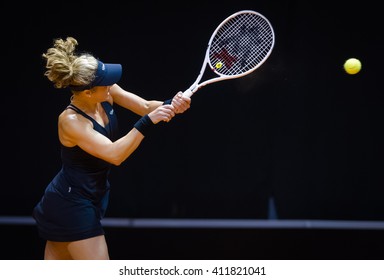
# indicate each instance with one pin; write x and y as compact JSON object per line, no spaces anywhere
{"x":168,"y":101}
{"x":144,"y":125}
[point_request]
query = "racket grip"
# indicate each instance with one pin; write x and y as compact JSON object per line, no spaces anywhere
{"x":188,"y":93}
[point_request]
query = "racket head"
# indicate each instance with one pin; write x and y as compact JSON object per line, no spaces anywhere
{"x":240,"y":44}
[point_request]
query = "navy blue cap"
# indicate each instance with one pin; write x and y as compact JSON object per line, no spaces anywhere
{"x":106,"y":75}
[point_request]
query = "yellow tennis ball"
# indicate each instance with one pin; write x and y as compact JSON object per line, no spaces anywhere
{"x":352,"y":66}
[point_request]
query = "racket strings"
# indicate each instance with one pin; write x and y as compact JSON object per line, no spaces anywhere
{"x":241,"y":44}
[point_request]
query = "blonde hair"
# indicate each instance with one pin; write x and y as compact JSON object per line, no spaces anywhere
{"x":65,"y":67}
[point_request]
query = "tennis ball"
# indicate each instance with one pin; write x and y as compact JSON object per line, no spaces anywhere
{"x":219,"y":65}
{"x":352,"y":66}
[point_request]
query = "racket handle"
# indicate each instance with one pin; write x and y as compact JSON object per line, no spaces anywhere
{"x":188,"y":93}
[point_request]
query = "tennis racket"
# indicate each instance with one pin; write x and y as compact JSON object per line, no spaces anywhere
{"x":238,"y":46}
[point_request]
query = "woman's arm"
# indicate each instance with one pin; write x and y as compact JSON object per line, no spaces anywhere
{"x":133,"y":102}
{"x":141,"y":106}
{"x":75,"y":129}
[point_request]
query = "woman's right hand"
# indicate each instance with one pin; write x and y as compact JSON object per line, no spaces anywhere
{"x":162,"y":113}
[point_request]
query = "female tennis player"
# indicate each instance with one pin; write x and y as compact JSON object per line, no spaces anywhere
{"x":69,"y":214}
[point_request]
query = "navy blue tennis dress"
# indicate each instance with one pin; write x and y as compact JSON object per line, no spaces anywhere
{"x":75,"y":201}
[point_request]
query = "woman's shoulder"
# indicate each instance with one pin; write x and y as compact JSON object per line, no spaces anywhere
{"x":70,"y":117}
{"x":68,"y":114}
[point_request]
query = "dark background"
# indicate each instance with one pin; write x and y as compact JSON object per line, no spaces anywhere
{"x":298,"y":130}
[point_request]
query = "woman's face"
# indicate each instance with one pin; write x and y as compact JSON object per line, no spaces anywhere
{"x":101,"y":93}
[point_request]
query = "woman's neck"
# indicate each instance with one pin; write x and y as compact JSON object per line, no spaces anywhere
{"x":86,"y":103}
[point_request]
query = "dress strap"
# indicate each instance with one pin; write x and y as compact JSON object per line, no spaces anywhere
{"x":77,"y":110}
